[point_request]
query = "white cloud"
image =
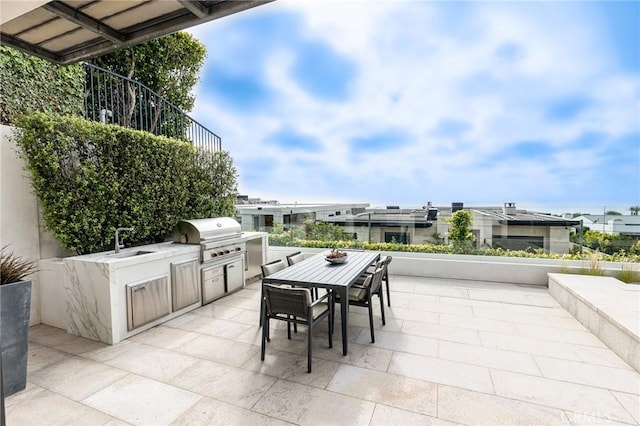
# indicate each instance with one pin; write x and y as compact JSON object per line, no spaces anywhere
{"x":497,"y":66}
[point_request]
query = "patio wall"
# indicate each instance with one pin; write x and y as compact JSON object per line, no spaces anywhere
{"x":467,"y":267}
{"x":18,"y":212}
{"x":21,"y":227}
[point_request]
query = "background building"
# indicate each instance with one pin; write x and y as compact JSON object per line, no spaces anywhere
{"x":505,"y":227}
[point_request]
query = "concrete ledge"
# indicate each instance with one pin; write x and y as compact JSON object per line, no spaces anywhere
{"x":514,"y":270}
{"x":609,"y":308}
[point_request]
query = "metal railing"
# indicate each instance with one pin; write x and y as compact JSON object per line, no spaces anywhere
{"x":116,"y":99}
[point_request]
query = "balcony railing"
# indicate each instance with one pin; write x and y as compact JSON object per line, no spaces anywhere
{"x":116,"y":99}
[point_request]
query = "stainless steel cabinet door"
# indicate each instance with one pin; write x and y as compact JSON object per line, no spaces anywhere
{"x":234,"y":272}
{"x":185,"y":285}
{"x":212,"y":283}
{"x":147,"y":301}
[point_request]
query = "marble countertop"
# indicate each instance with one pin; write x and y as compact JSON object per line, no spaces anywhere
{"x":250,"y":235}
{"x":156,"y":251}
{"x":125,"y":256}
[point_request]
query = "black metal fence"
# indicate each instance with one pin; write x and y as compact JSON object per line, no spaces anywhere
{"x":116,"y":99}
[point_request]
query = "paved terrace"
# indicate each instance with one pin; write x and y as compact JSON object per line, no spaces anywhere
{"x":452,"y":352}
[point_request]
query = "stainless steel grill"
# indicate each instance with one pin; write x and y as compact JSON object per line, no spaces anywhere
{"x":218,"y":237}
{"x":222,"y":252}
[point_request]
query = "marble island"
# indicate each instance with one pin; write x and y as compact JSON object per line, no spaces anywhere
{"x":102,"y":289}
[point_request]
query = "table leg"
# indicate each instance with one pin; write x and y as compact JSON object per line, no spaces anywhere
{"x":344,"y":316}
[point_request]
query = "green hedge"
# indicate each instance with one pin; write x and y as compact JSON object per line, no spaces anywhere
{"x":92,"y":178}
{"x":28,"y":83}
{"x":287,"y":240}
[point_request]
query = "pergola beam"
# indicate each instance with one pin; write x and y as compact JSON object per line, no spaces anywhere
{"x":62,"y":10}
{"x":195,"y":7}
{"x":16,"y":43}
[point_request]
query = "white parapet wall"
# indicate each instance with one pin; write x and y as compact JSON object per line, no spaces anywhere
{"x":22,"y":231}
{"x":18,"y":212}
{"x":607,"y":307}
{"x":514,"y":270}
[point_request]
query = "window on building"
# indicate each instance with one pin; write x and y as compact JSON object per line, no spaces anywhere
{"x":396,"y":237}
{"x":517,"y":242}
{"x":268,"y":222}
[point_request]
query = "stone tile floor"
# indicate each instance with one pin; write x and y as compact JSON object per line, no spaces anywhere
{"x":452,"y":352}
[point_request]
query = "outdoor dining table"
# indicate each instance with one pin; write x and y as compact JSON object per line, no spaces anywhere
{"x":316,"y":272}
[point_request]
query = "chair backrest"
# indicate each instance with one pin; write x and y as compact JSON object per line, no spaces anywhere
{"x":272,"y":267}
{"x":376,"y":279}
{"x":385,"y":261}
{"x":367,"y":280}
{"x":287,"y":300}
{"x":294,"y":258}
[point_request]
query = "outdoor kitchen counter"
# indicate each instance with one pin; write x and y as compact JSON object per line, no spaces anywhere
{"x":98,"y":289}
{"x":157,"y":251}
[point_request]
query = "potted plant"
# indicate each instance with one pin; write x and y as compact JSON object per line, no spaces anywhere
{"x":15,"y":306}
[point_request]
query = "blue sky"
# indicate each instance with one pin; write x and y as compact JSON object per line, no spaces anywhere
{"x":391,"y":102}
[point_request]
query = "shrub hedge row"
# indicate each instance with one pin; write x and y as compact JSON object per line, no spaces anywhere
{"x":92,"y":178}
{"x":287,"y":240}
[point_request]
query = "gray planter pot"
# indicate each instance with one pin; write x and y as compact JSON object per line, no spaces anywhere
{"x":15,"y":306}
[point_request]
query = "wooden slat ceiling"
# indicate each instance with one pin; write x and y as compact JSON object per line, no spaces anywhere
{"x":74,"y":30}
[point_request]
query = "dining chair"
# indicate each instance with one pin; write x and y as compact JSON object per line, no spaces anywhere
{"x":269,"y":269}
{"x":293,"y":304}
{"x":360,"y":295}
{"x":294,"y":258}
{"x":272,"y":267}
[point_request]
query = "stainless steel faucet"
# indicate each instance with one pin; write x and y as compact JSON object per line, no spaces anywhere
{"x":118,"y":244}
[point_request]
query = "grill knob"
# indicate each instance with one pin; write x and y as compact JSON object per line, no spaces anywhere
{"x":226,"y":252}
{"x":238,"y":249}
{"x":220,"y":253}
{"x":214,"y":254}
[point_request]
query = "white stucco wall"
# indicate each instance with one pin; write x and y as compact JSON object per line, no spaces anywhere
{"x":18,"y":212}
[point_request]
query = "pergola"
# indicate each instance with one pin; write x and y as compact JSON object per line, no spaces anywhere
{"x":74,"y":30}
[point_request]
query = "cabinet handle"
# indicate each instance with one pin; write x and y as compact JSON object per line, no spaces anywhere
{"x":230,"y":266}
{"x":139,"y":289}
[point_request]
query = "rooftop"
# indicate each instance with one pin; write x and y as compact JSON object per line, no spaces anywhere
{"x":452,"y":352}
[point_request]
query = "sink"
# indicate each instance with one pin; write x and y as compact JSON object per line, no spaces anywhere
{"x":130,"y":253}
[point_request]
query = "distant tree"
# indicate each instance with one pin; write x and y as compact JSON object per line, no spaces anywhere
{"x":168,"y":65}
{"x":607,"y":243}
{"x":634,"y":210}
{"x":612,"y":213}
{"x":460,"y":234}
{"x":322,"y":231}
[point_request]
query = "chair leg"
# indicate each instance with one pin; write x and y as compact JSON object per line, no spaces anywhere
{"x":309,"y":330}
{"x":381,"y":294}
{"x":265,"y":336}
{"x":386,"y":280}
{"x":330,"y":323}
{"x":373,"y":338}
{"x":262,"y":306}
{"x":332,"y":302}
{"x":289,"y":328}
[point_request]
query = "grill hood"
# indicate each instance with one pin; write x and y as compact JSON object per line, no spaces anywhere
{"x":200,"y":231}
